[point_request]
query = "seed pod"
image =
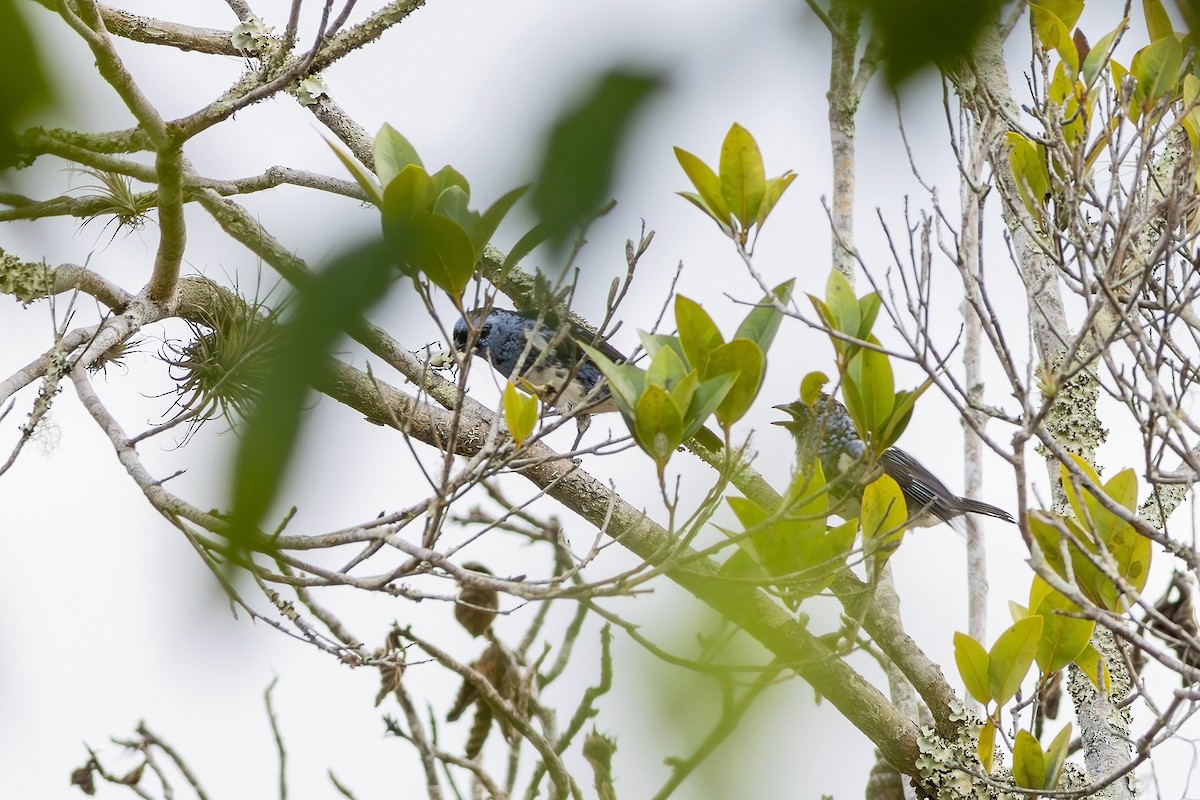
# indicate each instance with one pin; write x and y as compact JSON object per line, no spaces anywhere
{"x":477,"y":605}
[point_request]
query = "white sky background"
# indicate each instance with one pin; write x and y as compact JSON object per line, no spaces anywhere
{"x":110,"y":618}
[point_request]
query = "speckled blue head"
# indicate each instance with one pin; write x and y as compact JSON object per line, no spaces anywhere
{"x":825,"y":432}
{"x":563,"y":374}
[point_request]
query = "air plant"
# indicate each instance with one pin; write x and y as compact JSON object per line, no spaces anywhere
{"x":116,"y":198}
{"x":222,"y":371}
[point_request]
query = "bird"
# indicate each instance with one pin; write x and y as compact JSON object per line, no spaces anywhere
{"x":553,"y":364}
{"x":825,"y":432}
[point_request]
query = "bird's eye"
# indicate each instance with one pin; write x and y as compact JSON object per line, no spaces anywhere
{"x":484,"y":331}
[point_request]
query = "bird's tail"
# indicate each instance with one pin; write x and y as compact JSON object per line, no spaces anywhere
{"x":976,"y":507}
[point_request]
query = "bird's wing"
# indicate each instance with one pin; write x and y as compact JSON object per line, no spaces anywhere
{"x":568,"y":348}
{"x":918,"y":484}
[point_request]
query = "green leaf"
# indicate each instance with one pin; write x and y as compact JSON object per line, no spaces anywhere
{"x":699,"y":203}
{"x":868,"y":309}
{"x":869,"y":391}
{"x":448,"y":176}
{"x":524,"y":246}
{"x":666,"y":369}
{"x":762,"y":323}
{"x":490,"y":219}
{"x":921,"y":33}
{"x":1091,"y":664}
{"x":708,"y":396}
{"x":410,"y":192}
{"x":653,"y":342}
{"x":24,"y":88}
{"x":1055,"y":34}
{"x":625,"y":380}
{"x":843,"y":305}
{"x":1047,"y":535}
{"x":1056,"y":756}
{"x":1123,"y":488}
{"x":658,"y":426}
{"x":807,"y":493}
{"x":452,"y":204}
{"x":520,"y":413}
{"x":707,"y":184}
{"x":1063,"y":637}
{"x":1078,"y":506}
{"x":582,"y":149}
{"x":329,"y":303}
{"x":1029,"y":763}
{"x":1067,"y":11}
{"x":364,"y":179}
{"x":1028,"y":163}
{"x":902,"y":410}
{"x":1191,"y":121}
{"x":1156,"y":68}
{"x":740,"y":356}
{"x":1158,"y":23}
{"x":972,"y":661}
{"x":1039,"y":590}
{"x":743,"y":181}
{"x":698,"y":334}
{"x":1118,"y":79}
{"x":985,"y":749}
{"x":1011,"y":656}
{"x":393,"y":154}
{"x":749,"y":513}
{"x":1098,"y":56}
{"x":775,"y":189}
{"x":439,"y":249}
{"x":682,"y":393}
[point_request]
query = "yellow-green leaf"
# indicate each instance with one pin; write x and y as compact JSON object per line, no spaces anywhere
{"x":775,"y":189}
{"x":1067,"y":11}
{"x":1092,"y":665}
{"x":1098,"y":56}
{"x":986,"y":747}
{"x":743,"y":181}
{"x":1055,"y":34}
{"x":1158,"y":23}
{"x":1056,"y":756}
{"x":762,"y":322}
{"x":810,"y":387}
{"x":972,"y":661}
{"x":1011,"y":656}
{"x":1029,"y":762}
{"x":1063,"y":637}
{"x":707,"y":184}
{"x":843,"y":305}
{"x":666,"y":369}
{"x":658,"y":425}
{"x":698,"y":334}
{"x":392,"y":154}
{"x":374,"y":194}
{"x":1028,"y":163}
{"x":869,"y":390}
{"x":520,"y":413}
{"x":1156,"y":67}
{"x":408,"y":193}
{"x":743,"y":357}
